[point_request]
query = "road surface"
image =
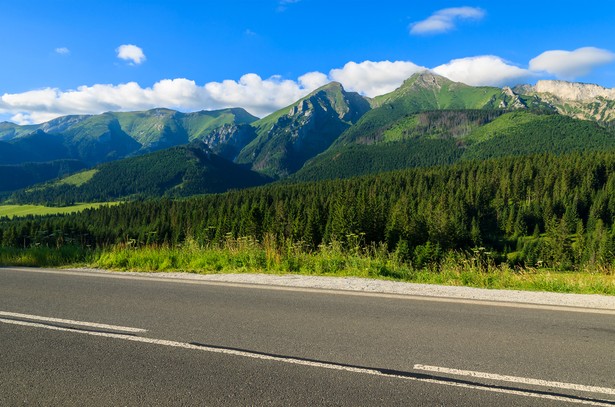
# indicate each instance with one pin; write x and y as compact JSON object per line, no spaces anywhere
{"x":70,"y":338}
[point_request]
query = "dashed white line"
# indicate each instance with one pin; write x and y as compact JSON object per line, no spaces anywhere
{"x":324,"y":365}
{"x":71,"y":322}
{"x":515,"y":379}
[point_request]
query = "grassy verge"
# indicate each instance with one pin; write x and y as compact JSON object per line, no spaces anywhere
{"x":246,"y":256}
{"x":46,"y":257}
{"x":24,"y":210}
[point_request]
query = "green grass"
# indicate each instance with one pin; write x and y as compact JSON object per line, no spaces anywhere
{"x":455,"y":270}
{"x":77,"y":179}
{"x":245,"y":255}
{"x":503,"y":124}
{"x":45,"y":256}
{"x":397,"y":132}
{"x":24,"y":210}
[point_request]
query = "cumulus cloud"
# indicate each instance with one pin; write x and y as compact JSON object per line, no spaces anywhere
{"x":313,"y":80}
{"x":486,"y":70}
{"x":62,"y":51}
{"x":257,"y":95}
{"x":131,"y":53}
{"x":374,"y":78}
{"x":571,"y":64}
{"x":445,"y":20}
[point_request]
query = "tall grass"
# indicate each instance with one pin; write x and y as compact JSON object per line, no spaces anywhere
{"x":245,"y":255}
{"x":41,"y":256}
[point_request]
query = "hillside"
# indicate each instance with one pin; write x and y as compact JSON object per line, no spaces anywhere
{"x":444,"y":137}
{"x":12,"y":154}
{"x":110,"y":136}
{"x":524,"y":133}
{"x":14,"y":177}
{"x":177,"y":171}
{"x":290,"y":136}
{"x":424,"y":92}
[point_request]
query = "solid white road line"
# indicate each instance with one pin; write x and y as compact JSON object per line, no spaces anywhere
{"x":71,"y":322}
{"x":324,"y":365}
{"x":515,"y":379}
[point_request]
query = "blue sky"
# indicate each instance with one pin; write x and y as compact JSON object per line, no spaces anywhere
{"x":66,"y":56}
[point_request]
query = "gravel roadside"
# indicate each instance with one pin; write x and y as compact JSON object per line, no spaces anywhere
{"x":366,"y":285}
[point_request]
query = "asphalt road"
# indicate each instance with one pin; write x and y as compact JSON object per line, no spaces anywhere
{"x":216,"y":344}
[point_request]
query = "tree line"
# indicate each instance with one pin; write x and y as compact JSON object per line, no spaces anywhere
{"x":549,"y":210}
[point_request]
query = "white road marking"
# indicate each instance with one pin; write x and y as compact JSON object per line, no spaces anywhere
{"x":323,"y":365}
{"x":515,"y":379}
{"x":412,"y":297}
{"x":71,"y":322}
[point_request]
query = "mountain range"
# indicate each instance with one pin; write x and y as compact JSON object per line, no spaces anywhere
{"x":330,"y":133}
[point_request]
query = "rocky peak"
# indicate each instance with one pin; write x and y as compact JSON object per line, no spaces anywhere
{"x":511,"y":100}
{"x":426,"y":79}
{"x":572,"y":91}
{"x":349,"y":106}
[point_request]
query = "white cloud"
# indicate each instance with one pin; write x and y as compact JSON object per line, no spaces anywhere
{"x":571,"y":64}
{"x":62,"y":51}
{"x":132,"y":53}
{"x":34,"y":117}
{"x":374,"y":78}
{"x":257,"y":95}
{"x":444,"y":20}
{"x":313,"y":80}
{"x":262,"y":96}
{"x":486,"y":70}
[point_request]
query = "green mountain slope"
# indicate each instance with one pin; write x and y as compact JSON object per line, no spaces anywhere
{"x":110,"y":136}
{"x":11,"y":154}
{"x":177,"y":171}
{"x":524,"y":133}
{"x":10,"y":130}
{"x":229,"y":139}
{"x":290,"y":136}
{"x":360,"y":159}
{"x":201,"y":124}
{"x":443,"y":137}
{"x":423,"y":92}
{"x":39,"y":147}
{"x":14,"y":177}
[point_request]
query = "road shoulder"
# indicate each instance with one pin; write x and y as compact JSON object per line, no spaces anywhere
{"x":355,"y":285}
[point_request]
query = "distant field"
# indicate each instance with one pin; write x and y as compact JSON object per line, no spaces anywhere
{"x":78,"y":179}
{"x":24,"y":210}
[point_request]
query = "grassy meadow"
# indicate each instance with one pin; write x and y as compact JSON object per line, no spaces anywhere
{"x":12,"y":211}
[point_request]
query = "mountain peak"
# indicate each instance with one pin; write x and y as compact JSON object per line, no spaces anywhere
{"x":329,"y":88}
{"x":290,"y":136}
{"x":426,"y":79}
{"x":574,"y":91}
{"x":331,"y":85}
